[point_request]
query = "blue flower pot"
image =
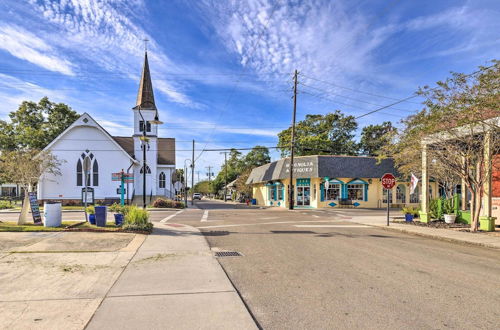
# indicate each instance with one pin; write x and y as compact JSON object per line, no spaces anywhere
{"x":118,"y":219}
{"x":92,"y":219}
{"x":409,"y":217}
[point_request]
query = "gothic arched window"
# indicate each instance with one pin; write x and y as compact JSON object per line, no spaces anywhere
{"x":79,"y":173}
{"x":148,"y":170}
{"x":162,"y":180}
{"x":95,"y":173}
{"x":89,"y":162}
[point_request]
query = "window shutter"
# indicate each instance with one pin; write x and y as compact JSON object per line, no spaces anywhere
{"x":366,"y":193}
{"x":322,"y":192}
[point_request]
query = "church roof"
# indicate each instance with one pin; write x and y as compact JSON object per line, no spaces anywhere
{"x":166,"y":148}
{"x":145,"y":96}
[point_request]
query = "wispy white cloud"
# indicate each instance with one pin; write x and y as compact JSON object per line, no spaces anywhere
{"x":25,"y":45}
{"x":107,"y":34}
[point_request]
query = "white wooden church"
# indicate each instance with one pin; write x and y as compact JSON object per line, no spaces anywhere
{"x":87,"y":142}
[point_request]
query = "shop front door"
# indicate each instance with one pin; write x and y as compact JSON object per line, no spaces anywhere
{"x":303,"y":196}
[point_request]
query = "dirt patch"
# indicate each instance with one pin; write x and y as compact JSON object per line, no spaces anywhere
{"x":435,"y":224}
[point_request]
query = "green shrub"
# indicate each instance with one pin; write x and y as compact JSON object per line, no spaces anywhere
{"x":90,"y":209}
{"x":167,"y":203}
{"x":448,"y":206}
{"x":137,"y":219}
{"x":6,"y":205}
{"x":410,"y":210}
{"x":118,"y":208}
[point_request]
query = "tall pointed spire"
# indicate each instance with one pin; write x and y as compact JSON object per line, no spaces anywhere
{"x":145,"y":96}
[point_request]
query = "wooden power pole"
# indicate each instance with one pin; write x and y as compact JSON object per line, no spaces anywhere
{"x":292,"y":141}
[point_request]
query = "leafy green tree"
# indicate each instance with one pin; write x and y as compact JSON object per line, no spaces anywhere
{"x":34,"y":125}
{"x":330,"y":134}
{"x":202,"y":187}
{"x":259,"y":155}
{"x":375,"y":137}
{"x":455,"y":125}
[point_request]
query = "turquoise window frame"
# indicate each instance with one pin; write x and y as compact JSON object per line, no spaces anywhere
{"x":333,"y":181}
{"x":358,"y":181}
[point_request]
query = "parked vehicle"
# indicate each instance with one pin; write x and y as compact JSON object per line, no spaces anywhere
{"x":228,"y":197}
{"x":197,"y":196}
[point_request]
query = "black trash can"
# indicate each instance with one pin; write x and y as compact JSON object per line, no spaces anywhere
{"x":100,"y":216}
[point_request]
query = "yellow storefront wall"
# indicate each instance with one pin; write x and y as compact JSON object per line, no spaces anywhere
{"x":374,"y":200}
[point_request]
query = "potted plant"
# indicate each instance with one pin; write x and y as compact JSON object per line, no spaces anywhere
{"x":409,"y":213}
{"x":449,"y":211}
{"x":91,"y":212}
{"x":119,"y":212}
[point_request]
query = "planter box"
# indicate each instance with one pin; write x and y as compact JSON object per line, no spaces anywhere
{"x":409,"y":217}
{"x":487,"y":223}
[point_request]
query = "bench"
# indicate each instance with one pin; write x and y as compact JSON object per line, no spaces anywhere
{"x":345,"y":203}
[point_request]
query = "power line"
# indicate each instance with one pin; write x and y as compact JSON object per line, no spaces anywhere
{"x":351,"y":98}
{"x":356,"y":90}
{"x":416,"y":95}
{"x":349,"y":105}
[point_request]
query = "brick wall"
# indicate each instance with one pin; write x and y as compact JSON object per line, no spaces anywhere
{"x":496,"y":176}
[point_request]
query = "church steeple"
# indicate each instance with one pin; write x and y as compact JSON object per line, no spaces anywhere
{"x":145,"y":96}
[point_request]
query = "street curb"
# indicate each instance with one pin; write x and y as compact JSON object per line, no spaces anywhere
{"x":441,"y":238}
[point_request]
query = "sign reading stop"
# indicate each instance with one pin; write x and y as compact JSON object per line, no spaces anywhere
{"x":388,"y":181}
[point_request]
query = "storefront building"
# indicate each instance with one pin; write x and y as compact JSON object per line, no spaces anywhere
{"x":331,"y":181}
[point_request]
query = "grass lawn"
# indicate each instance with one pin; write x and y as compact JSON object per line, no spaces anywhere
{"x":12,"y":226}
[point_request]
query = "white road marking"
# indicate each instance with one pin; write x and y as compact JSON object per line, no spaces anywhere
{"x":204,"y":218}
{"x":263,"y":223}
{"x":171,"y":216}
{"x":316,"y":216}
{"x":330,"y":226}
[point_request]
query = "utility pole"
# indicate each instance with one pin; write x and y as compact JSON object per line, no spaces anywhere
{"x":209,"y":179}
{"x":192,"y":176}
{"x":225,"y":175}
{"x":292,"y":140}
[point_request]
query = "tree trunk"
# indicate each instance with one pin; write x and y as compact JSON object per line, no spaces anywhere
{"x":23,"y":216}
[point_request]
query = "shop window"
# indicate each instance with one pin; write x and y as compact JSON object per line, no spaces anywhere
{"x":401,"y":194}
{"x":356,"y":192}
{"x":273,"y":193}
{"x":281,"y":192}
{"x":333,"y":192}
{"x":384,"y":199}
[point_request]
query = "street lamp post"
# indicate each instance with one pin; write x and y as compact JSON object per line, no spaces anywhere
{"x":145,"y":140}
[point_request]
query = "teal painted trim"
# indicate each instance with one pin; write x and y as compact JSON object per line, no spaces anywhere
{"x":357,"y":181}
{"x":343,"y":193}
{"x":303,"y":182}
{"x":336,"y":181}
{"x":366,"y":193}
{"x":322,"y":191}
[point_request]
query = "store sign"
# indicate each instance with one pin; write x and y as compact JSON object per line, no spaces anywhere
{"x":305,"y":168}
{"x":35,"y":208}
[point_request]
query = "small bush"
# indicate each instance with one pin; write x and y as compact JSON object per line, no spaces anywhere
{"x":90,"y":209}
{"x":137,"y":219}
{"x":410,"y":210}
{"x":167,"y":203}
{"x":6,"y":205}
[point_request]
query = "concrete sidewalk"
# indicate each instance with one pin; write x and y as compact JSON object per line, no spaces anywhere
{"x":172,"y":282}
{"x":480,"y":239}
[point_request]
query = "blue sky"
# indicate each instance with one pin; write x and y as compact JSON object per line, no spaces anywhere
{"x":222,"y":70}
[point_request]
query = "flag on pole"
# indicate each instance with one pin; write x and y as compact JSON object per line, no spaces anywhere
{"x":414,"y":182}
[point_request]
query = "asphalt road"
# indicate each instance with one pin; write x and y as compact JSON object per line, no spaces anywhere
{"x":313,"y":269}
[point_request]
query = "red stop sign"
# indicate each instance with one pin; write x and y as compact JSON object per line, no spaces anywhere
{"x":388,"y":181}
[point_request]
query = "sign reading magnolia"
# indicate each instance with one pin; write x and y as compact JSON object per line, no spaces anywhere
{"x":301,"y":167}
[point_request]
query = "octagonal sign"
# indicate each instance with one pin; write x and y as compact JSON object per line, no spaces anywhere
{"x":388,"y":181}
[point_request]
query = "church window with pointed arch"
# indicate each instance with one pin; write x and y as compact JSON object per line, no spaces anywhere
{"x":93,"y":169}
{"x":148,"y":170}
{"x":162,"y":180}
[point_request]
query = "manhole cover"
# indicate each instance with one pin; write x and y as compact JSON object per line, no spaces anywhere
{"x":227,"y":254}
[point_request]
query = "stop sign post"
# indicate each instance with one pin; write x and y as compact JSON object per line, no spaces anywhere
{"x":388,"y":182}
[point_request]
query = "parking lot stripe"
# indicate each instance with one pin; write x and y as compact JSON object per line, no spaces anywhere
{"x":330,"y":226}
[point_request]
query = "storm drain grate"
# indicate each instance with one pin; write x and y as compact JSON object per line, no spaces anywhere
{"x":228,"y":254}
